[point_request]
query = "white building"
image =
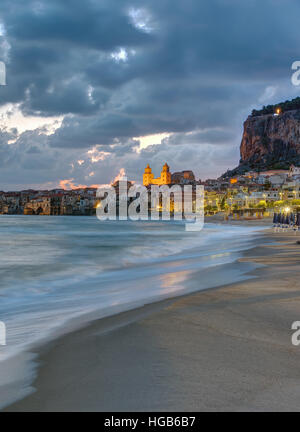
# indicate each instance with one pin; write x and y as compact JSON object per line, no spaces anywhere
{"x":294,"y":171}
{"x":277,"y":179}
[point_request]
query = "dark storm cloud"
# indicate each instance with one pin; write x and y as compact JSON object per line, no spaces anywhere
{"x":91,"y":24}
{"x":205,"y":136}
{"x":196,"y":50}
{"x":30,"y":161}
{"x":52,"y":46}
{"x":126,"y":68}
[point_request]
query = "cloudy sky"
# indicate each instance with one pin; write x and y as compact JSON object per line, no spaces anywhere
{"x":97,"y":86}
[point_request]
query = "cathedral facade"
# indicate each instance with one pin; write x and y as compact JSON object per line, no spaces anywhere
{"x":164,"y":179}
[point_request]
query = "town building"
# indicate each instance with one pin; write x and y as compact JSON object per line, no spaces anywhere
{"x":294,"y":171}
{"x":164,"y":179}
{"x":183,"y":177}
{"x":38,"y":206}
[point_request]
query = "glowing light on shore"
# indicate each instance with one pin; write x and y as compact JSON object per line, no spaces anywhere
{"x":278,"y":111}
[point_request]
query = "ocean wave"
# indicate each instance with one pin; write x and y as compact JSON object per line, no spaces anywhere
{"x":67,"y":276}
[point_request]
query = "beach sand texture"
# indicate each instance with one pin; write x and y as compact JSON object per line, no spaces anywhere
{"x":225,"y":349}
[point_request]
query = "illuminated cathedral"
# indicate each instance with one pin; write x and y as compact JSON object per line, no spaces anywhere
{"x":164,"y":179}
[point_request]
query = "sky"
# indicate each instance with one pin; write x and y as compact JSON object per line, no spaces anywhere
{"x":100,"y":87}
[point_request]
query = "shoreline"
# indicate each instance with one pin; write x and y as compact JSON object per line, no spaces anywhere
{"x":180,"y":270}
{"x":62,"y":362}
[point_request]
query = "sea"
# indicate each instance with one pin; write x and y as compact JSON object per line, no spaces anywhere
{"x":57,"y":273}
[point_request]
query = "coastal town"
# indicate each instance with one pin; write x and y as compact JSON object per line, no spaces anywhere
{"x":252,"y":193}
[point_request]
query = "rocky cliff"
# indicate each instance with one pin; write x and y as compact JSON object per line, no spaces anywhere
{"x":270,"y":142}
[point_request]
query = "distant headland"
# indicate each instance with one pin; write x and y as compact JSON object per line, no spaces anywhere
{"x":271,"y":139}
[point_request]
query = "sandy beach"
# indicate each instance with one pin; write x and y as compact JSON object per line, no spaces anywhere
{"x":224,"y":349}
